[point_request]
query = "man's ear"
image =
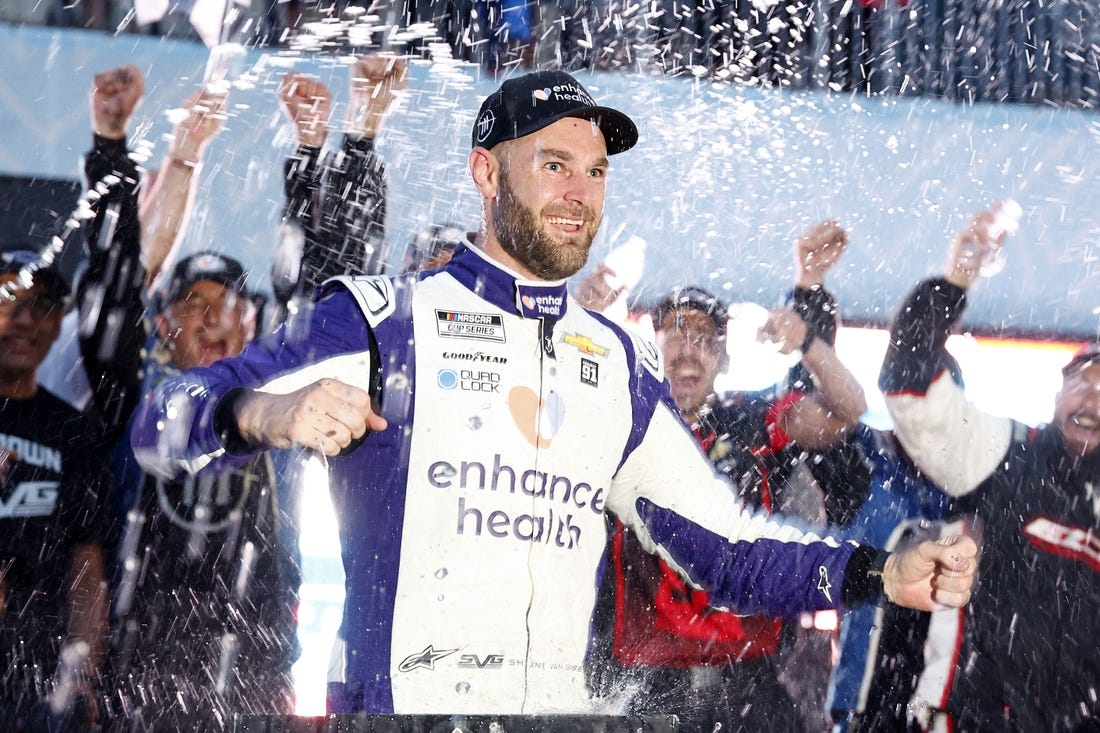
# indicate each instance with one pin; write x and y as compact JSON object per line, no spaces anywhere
{"x":485,"y":170}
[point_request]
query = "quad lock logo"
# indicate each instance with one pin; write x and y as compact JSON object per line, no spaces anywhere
{"x":468,"y":380}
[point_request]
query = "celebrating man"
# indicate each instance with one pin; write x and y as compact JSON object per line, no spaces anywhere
{"x":478,"y":424}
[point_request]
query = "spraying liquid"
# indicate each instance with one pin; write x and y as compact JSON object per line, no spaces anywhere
{"x":628,"y":262}
{"x":1006,"y":221}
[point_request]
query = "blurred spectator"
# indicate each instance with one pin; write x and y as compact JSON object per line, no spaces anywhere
{"x":205,"y":608}
{"x":110,"y":321}
{"x":508,"y":29}
{"x":597,"y":291}
{"x":91,"y":14}
{"x":168,"y":193}
{"x":451,"y":21}
{"x":432,"y":247}
{"x":333,"y":221}
{"x":335,"y":210}
{"x":1025,"y":651}
{"x":877,"y":496}
{"x":566,"y":34}
{"x":712,"y":668}
{"x":165,"y":198}
{"x":203,"y":611}
{"x":53,"y":518}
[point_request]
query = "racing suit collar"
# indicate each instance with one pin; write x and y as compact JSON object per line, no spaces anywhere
{"x":506,"y":289}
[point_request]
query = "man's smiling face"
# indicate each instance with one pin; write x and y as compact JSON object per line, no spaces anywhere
{"x":207,"y":322}
{"x":694,"y":354}
{"x":1077,"y":408}
{"x":550,"y":198}
{"x":30,"y":321}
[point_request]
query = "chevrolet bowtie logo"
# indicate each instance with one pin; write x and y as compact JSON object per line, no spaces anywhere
{"x":425,"y":659}
{"x":584,"y":344}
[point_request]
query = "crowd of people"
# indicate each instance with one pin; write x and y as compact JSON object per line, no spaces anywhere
{"x":540,"y":510}
{"x":1027,"y":51}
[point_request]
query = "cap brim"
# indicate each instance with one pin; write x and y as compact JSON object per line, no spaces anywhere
{"x":619,"y":131}
{"x":1082,"y":358}
{"x":717,"y":310}
{"x":47,"y":279}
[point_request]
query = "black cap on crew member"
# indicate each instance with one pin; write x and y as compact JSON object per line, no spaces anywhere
{"x":694,"y":298}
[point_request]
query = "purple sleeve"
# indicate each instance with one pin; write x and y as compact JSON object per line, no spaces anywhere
{"x":777,"y":576}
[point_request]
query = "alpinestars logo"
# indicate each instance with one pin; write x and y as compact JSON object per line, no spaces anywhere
{"x":375,"y":296}
{"x":424,"y":659}
{"x":649,"y":356}
{"x":823,"y":583}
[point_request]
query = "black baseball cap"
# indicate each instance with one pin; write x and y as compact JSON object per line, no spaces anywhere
{"x":697,"y":299}
{"x":528,"y":103}
{"x":1084,"y":356}
{"x":206,"y":265}
{"x":42,"y":271}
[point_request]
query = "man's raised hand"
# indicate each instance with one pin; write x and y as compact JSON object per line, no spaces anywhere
{"x":816,"y":250}
{"x":306,"y":102}
{"x":933,"y":575}
{"x":115,"y":95}
{"x":326,"y":416}
{"x":203,"y":115}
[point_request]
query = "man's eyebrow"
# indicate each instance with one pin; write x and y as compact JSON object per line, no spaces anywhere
{"x":556,"y":153}
{"x":568,"y":156}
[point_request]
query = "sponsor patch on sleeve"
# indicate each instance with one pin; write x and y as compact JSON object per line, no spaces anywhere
{"x":374,"y":294}
{"x":649,"y":356}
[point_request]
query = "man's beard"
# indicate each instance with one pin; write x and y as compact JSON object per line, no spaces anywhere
{"x":518,"y":231}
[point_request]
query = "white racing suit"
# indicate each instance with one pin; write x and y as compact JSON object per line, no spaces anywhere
{"x":472,"y":528}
